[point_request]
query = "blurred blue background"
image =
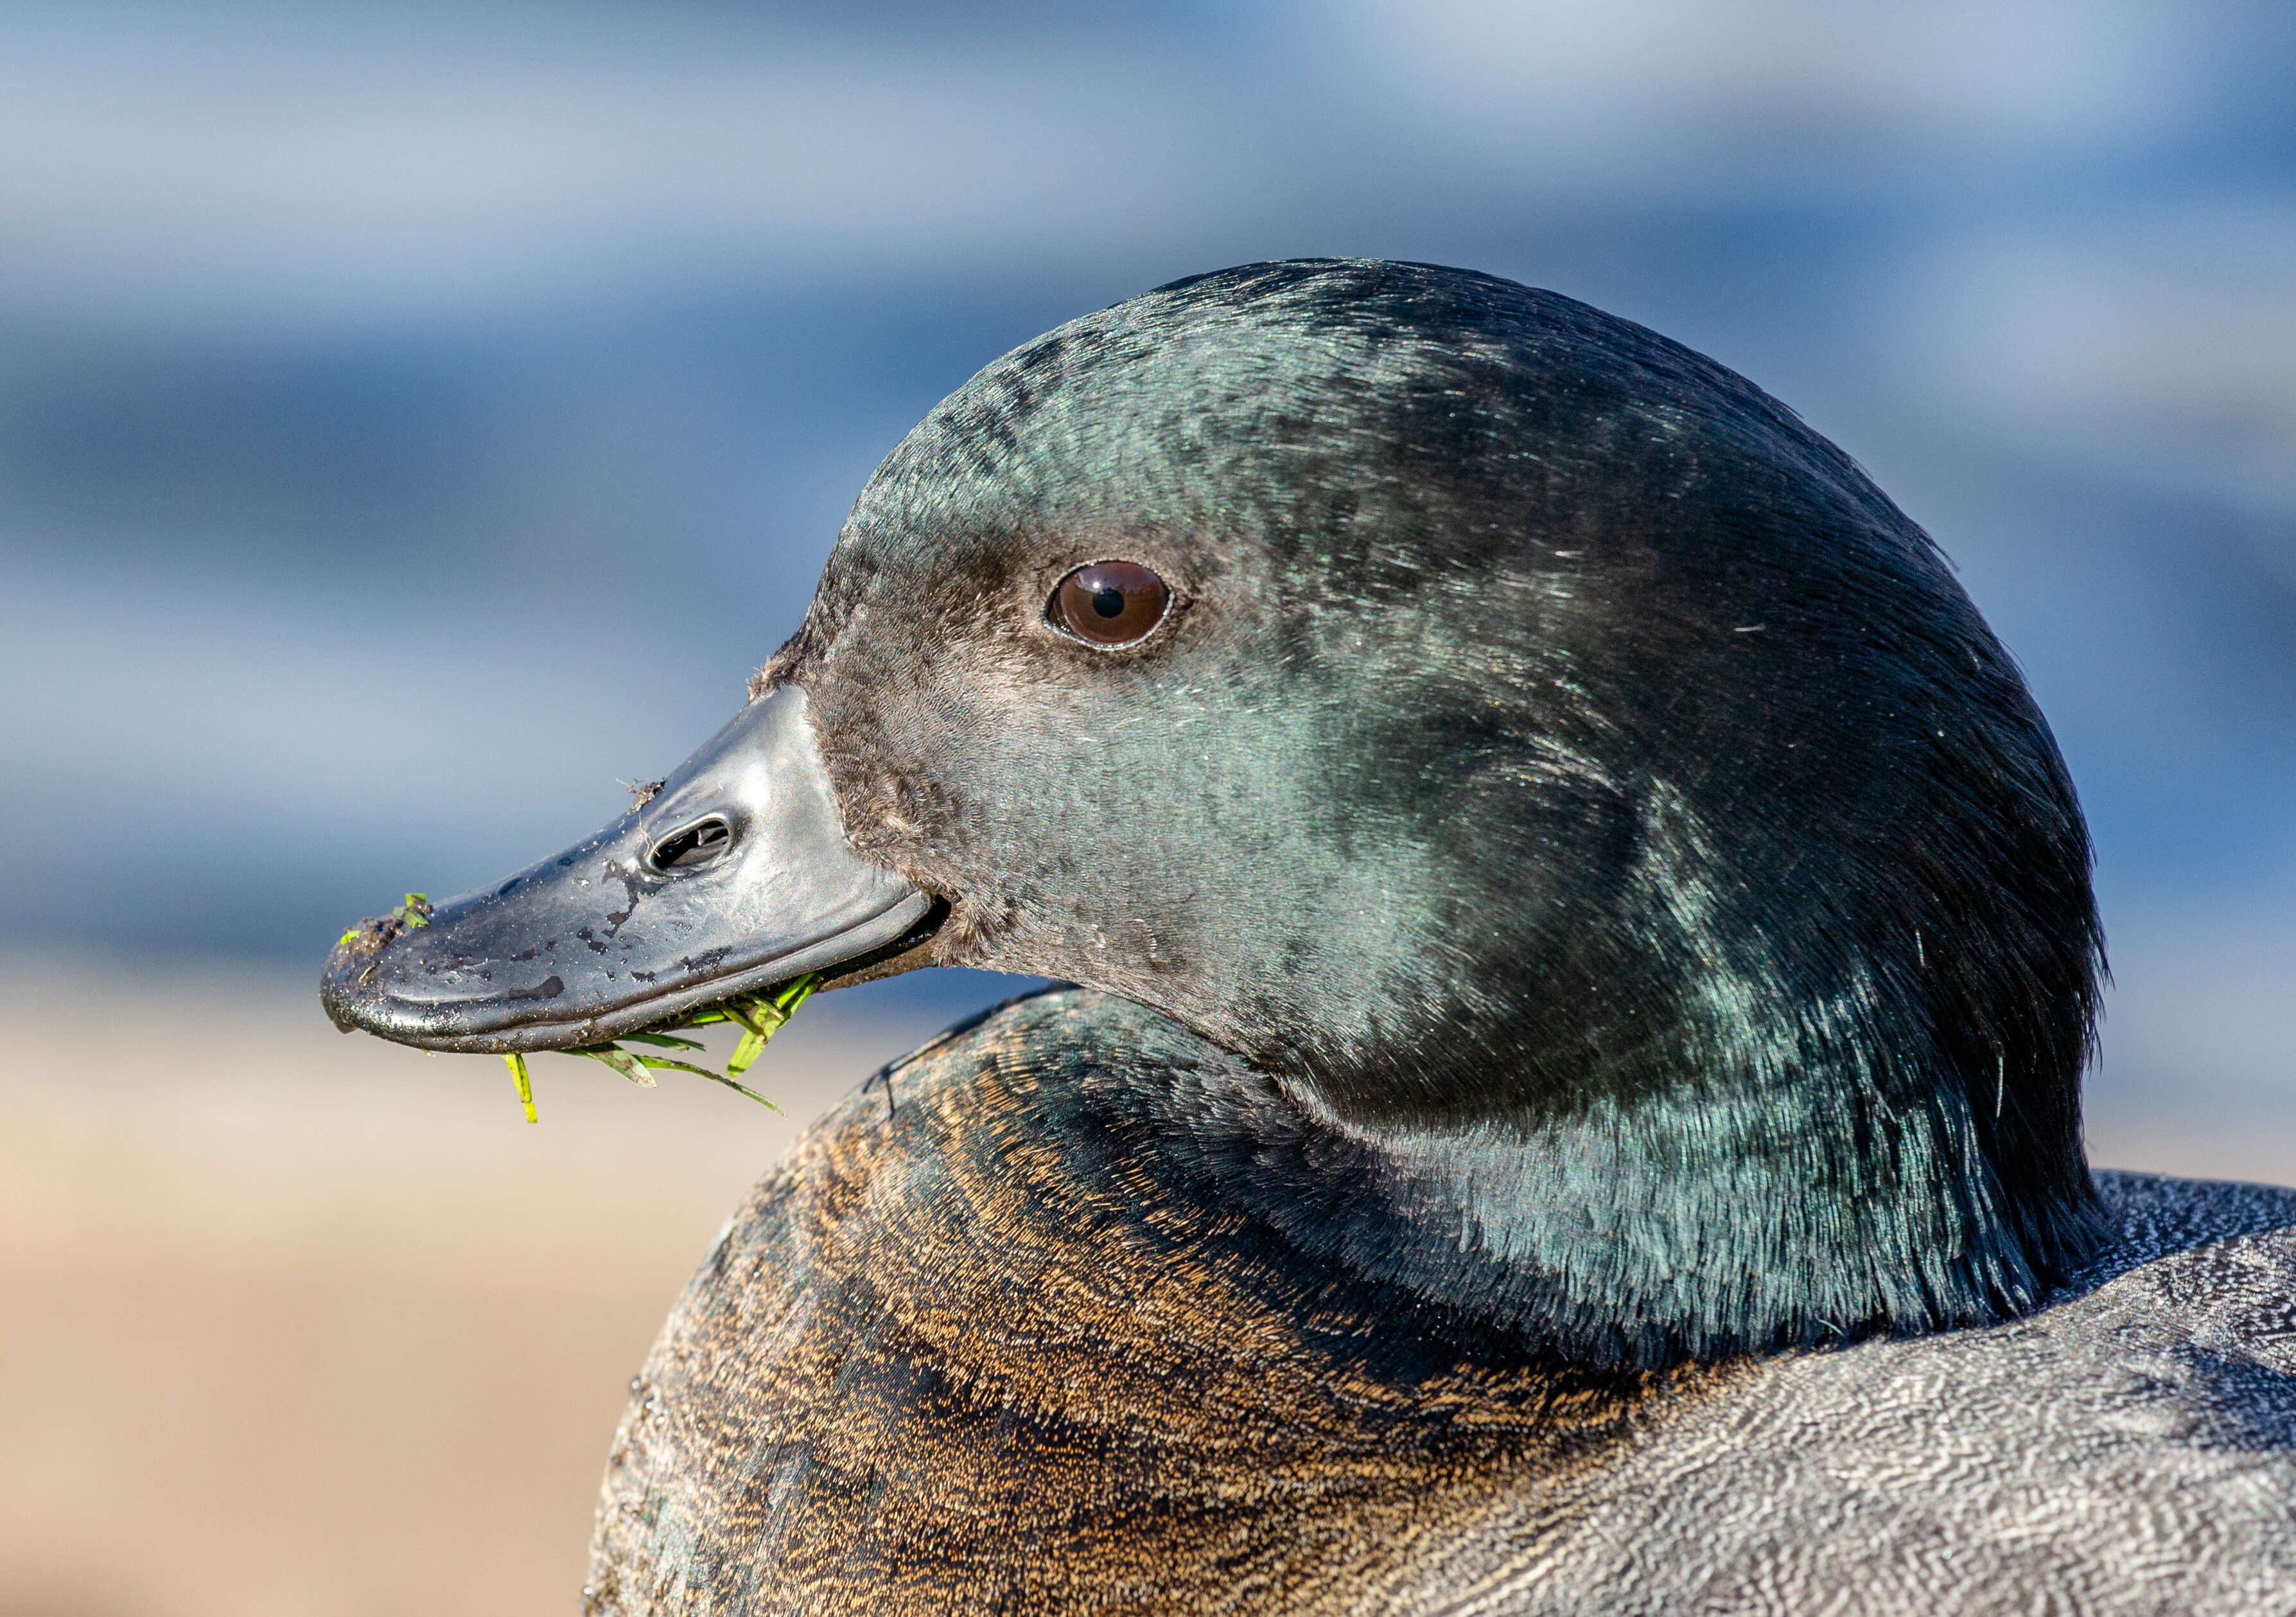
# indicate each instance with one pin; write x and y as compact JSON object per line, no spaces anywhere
{"x":414,"y":417}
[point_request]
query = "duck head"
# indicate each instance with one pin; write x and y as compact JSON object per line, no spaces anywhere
{"x":1517,"y":736}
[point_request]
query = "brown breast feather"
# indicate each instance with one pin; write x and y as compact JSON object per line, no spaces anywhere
{"x":937,"y":1365}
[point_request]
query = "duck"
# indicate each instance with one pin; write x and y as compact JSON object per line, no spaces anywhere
{"x":1573,"y":953}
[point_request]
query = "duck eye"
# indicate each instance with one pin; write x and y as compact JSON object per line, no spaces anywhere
{"x":1109,"y":602}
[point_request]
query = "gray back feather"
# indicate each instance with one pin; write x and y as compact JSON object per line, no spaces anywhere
{"x":2130,"y":1450}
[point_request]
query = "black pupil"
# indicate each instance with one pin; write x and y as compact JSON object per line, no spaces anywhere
{"x":1107,"y":601}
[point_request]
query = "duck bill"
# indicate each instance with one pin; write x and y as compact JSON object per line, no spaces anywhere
{"x":734,"y":876}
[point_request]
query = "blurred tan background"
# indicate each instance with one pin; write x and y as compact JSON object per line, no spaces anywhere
{"x":293,"y":1325}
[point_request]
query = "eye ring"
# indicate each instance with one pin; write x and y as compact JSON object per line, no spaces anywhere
{"x":1109,"y":605}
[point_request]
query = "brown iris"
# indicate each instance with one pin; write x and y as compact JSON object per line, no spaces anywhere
{"x":1109,"y":602}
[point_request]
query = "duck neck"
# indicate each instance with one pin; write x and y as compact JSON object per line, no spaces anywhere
{"x":1695,"y":1224}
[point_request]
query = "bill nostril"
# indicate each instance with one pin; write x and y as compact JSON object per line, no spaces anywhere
{"x":693,"y":846}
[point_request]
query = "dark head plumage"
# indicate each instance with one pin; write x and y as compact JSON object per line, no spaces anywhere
{"x":1562,"y":768}
{"x":1587,"y":808}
